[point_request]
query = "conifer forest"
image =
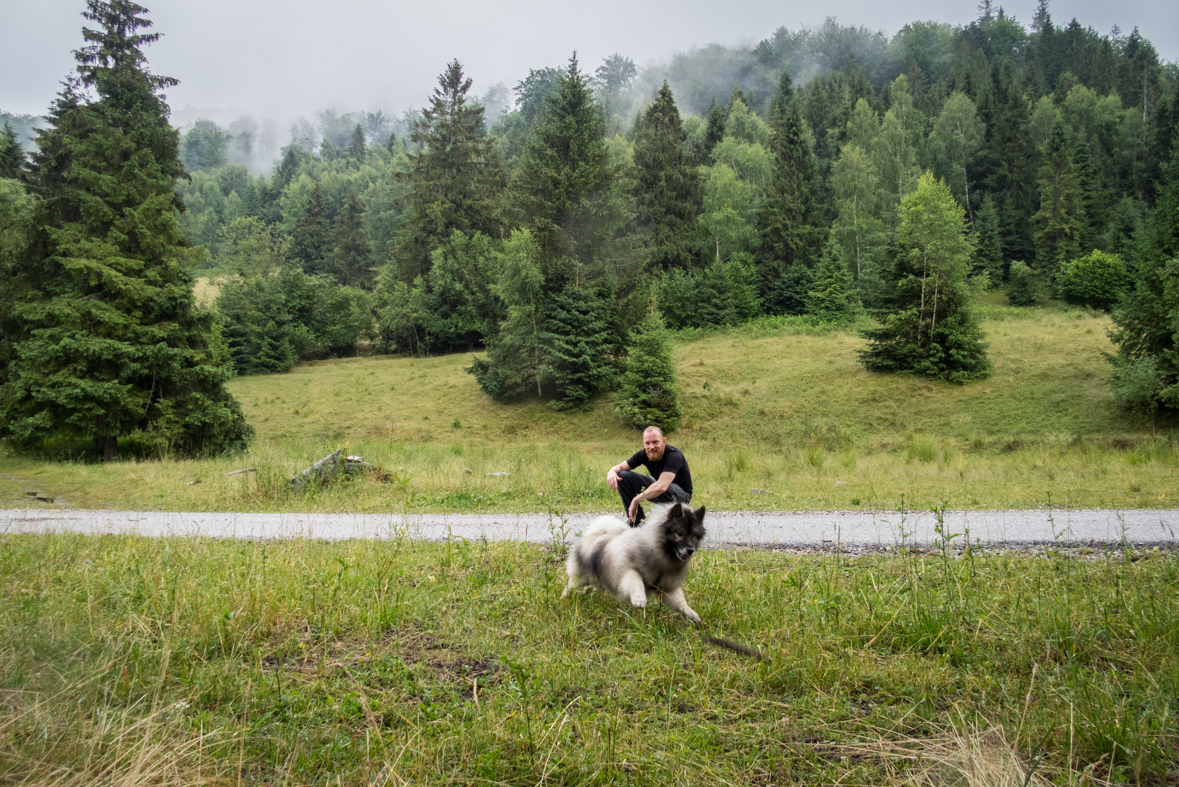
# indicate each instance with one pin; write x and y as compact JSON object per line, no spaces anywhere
{"x":560,"y":231}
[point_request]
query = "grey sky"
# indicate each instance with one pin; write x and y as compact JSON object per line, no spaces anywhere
{"x":290,"y":57}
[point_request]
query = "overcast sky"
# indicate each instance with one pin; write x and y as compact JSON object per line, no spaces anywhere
{"x":285,"y":58}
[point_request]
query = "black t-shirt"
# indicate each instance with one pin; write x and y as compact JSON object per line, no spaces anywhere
{"x":673,"y":461}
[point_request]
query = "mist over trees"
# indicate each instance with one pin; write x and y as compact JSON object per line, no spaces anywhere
{"x":832,"y":174}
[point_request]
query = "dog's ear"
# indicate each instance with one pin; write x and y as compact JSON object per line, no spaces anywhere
{"x":700,"y":514}
{"x":675,"y":512}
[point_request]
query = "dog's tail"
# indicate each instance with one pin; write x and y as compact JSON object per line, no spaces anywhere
{"x":736,"y":647}
{"x":603,"y":525}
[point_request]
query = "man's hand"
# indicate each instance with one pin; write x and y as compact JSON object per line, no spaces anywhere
{"x":633,"y":510}
{"x":612,"y":479}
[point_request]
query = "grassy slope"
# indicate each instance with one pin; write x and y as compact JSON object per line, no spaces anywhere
{"x":788,"y":413}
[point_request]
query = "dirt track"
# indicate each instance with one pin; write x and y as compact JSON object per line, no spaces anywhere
{"x":729,"y":528}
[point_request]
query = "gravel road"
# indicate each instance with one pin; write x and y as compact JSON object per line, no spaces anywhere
{"x":852,"y":529}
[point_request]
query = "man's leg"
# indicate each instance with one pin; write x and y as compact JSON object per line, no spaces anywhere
{"x":629,"y":485}
{"x":673,"y":494}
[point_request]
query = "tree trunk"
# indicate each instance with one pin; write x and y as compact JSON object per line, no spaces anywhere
{"x":108,"y":444}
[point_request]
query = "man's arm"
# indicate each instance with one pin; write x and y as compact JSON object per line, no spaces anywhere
{"x":653,"y":491}
{"x":612,"y":474}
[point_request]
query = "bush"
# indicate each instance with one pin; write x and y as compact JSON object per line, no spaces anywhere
{"x":1024,"y":285}
{"x":648,"y":394}
{"x":1096,"y":280}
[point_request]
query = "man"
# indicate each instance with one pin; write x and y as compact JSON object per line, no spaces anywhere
{"x":672,"y":481}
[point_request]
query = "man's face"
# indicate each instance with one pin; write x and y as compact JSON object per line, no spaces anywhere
{"x":653,"y":444}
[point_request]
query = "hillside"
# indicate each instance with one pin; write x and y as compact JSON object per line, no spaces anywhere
{"x":775,"y":419}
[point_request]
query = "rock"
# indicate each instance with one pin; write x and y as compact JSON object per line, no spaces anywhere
{"x":841,"y":483}
{"x":761,"y":491}
{"x":325,"y":469}
{"x":467,"y":471}
{"x":498,"y":475}
{"x":237,"y":472}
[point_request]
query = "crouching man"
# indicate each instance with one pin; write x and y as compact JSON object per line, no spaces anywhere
{"x":670,"y":480}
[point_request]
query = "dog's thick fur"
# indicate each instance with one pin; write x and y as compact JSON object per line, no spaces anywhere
{"x":639,"y":563}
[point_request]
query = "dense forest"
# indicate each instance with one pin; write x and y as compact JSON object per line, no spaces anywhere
{"x":832,"y":173}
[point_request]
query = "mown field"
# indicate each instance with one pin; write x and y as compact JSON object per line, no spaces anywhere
{"x":131,"y":661}
{"x":778,"y":416}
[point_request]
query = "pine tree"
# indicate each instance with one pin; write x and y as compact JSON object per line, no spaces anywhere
{"x":577,"y":344}
{"x":648,"y":394}
{"x":1060,"y":222}
{"x":988,"y":254}
{"x":455,"y":181}
{"x":108,"y":340}
{"x":668,"y":190}
{"x":930,"y":329}
{"x":311,"y":237}
{"x":352,"y":257}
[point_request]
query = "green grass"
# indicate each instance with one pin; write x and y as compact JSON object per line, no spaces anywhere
{"x":135,"y":661}
{"x":777,"y":406}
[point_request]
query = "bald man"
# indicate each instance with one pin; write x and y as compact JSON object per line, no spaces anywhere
{"x":670,"y":480}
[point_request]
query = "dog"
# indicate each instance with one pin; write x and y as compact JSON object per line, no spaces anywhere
{"x":638,"y":563}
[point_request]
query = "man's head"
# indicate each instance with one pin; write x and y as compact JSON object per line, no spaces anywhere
{"x":654,"y":442}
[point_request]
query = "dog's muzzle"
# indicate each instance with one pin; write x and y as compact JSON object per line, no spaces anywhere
{"x":683,"y":553}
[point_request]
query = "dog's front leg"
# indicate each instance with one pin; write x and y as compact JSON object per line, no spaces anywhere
{"x":675,"y":599}
{"x":632,"y":586}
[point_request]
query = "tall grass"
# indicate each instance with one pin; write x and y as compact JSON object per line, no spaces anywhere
{"x":148,"y":661}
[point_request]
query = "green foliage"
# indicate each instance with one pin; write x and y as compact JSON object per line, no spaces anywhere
{"x":648,"y":394}
{"x":578,"y":342}
{"x":352,"y":258}
{"x":516,"y":354}
{"x":667,"y":190}
{"x":1060,"y":222}
{"x":455,"y":181}
{"x":930,"y":329}
{"x":1025,"y":285}
{"x":988,"y":252}
{"x":248,"y":247}
{"x":832,"y":297}
{"x":1096,"y":280}
{"x":12,"y":157}
{"x":1147,"y":318}
{"x":204,"y":146}
{"x":791,"y":222}
{"x":257,"y":325}
{"x":107,"y":338}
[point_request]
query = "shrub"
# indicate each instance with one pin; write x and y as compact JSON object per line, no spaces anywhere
{"x":1096,"y":280}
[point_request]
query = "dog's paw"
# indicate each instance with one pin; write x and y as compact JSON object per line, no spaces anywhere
{"x":639,"y":600}
{"x":691,"y":615}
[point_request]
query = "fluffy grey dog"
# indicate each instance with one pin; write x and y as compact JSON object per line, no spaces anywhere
{"x":638,"y":563}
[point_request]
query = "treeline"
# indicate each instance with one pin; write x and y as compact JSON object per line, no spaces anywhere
{"x":828,"y":174}
{"x":594,"y":197}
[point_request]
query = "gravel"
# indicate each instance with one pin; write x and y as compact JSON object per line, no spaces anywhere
{"x":808,"y":530}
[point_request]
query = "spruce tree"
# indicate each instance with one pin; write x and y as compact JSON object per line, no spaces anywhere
{"x":714,"y":127}
{"x":356,"y":145}
{"x":832,"y":297}
{"x":988,"y":256}
{"x":12,"y":156}
{"x":668,"y":190}
{"x":107,"y":338}
{"x":455,"y":180}
{"x":791,"y":219}
{"x":311,"y":240}
{"x":353,"y":256}
{"x":1147,"y":318}
{"x":577,"y":343}
{"x":1060,"y":222}
{"x":648,"y":394}
{"x":930,"y":329}
{"x":565,"y":173}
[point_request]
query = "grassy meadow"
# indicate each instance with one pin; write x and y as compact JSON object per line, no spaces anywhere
{"x":778,"y":416}
{"x":130,"y":661}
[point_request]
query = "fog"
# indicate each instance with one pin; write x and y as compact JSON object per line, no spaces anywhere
{"x":279,"y":61}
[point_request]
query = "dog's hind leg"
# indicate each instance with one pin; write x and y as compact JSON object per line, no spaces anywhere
{"x":632,"y":586}
{"x":675,"y":599}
